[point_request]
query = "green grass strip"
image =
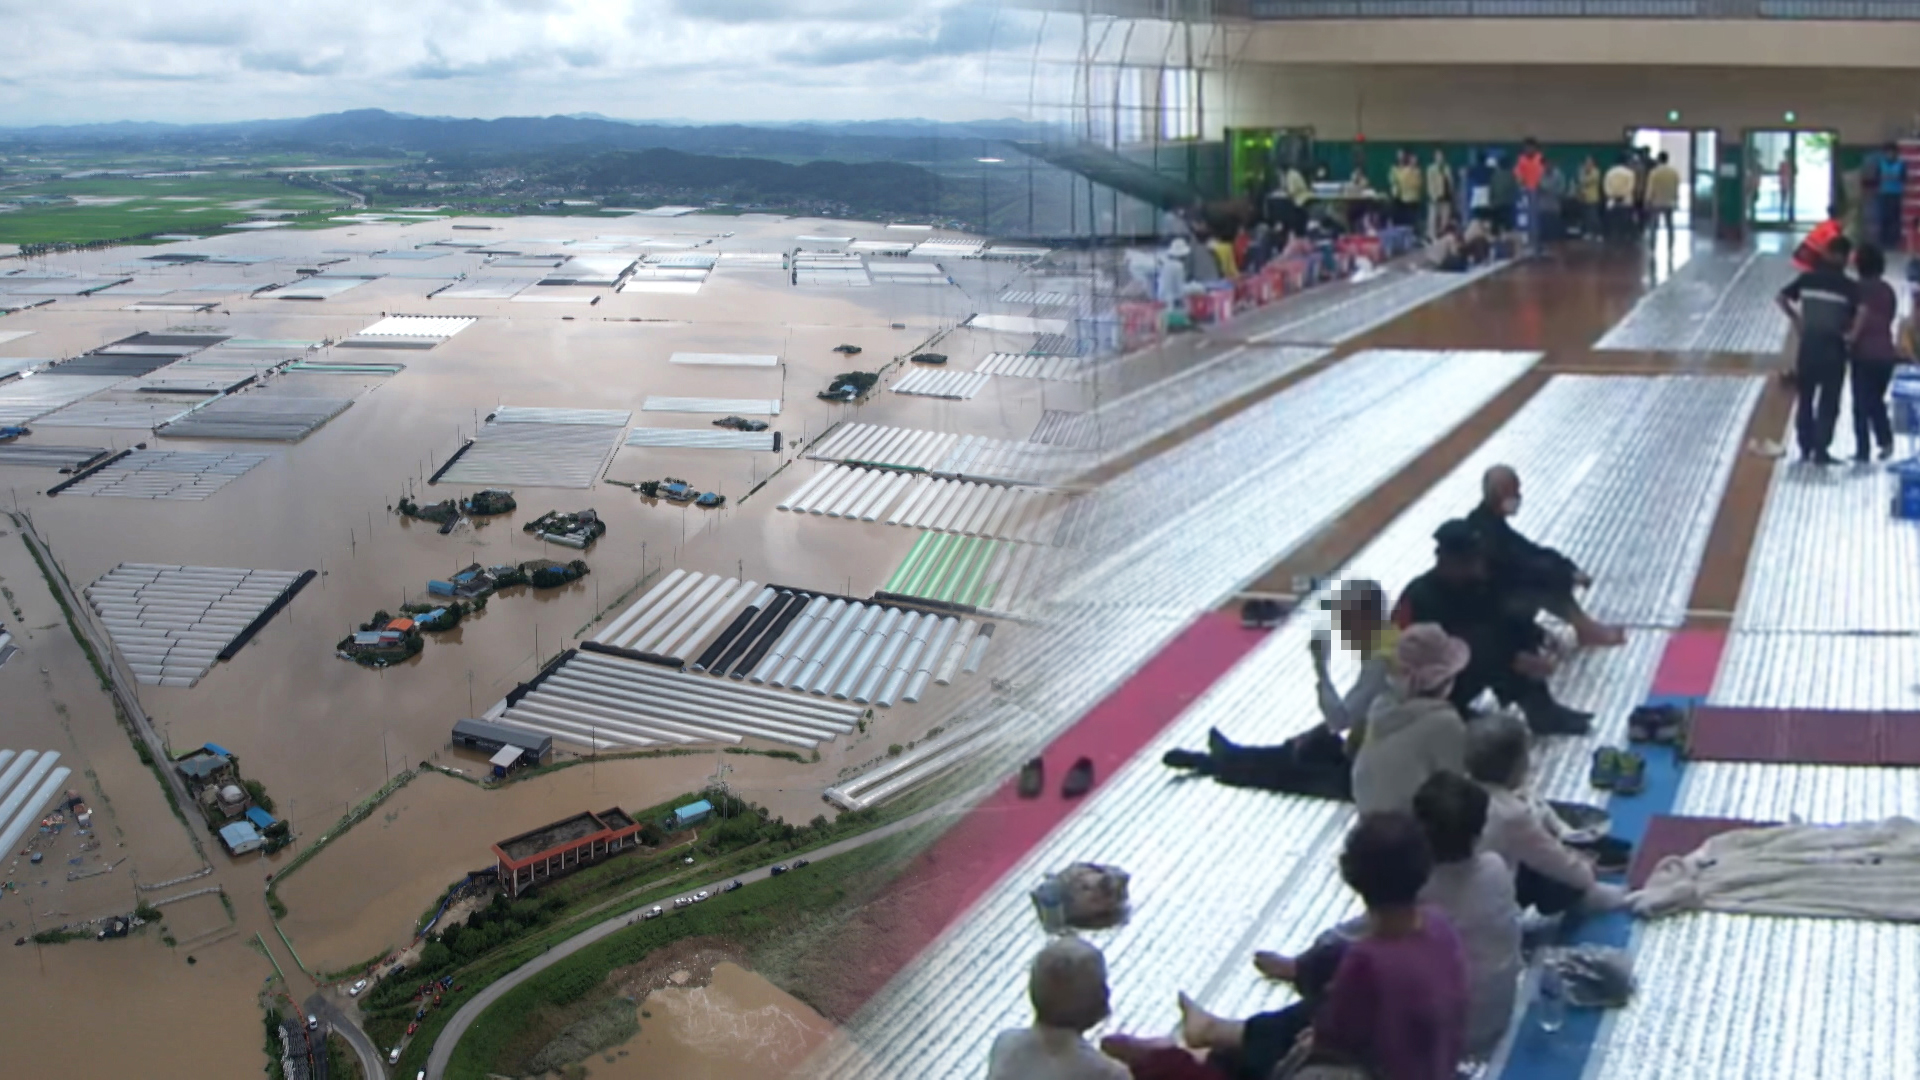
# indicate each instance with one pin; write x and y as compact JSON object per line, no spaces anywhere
{"x":907,"y":564}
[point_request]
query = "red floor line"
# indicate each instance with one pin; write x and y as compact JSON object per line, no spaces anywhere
{"x":943,"y":882}
{"x":1689,"y":664}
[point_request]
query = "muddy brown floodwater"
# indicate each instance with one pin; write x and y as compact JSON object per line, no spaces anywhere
{"x":737,"y":1027}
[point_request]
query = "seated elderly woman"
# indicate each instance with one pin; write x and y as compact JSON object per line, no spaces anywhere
{"x":1551,"y":877}
{"x":1068,"y":987}
{"x":1414,"y":731}
{"x":1394,"y":1008}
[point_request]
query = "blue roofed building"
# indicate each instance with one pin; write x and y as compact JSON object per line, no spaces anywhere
{"x":691,"y":814}
{"x":241,"y":837}
{"x":260,"y":818}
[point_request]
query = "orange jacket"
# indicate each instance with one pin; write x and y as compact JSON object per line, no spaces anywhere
{"x":1813,"y":250}
{"x":1529,"y":170}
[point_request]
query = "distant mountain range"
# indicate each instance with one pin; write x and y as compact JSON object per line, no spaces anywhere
{"x":378,"y":129}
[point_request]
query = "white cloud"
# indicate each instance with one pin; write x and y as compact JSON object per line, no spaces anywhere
{"x":82,"y":61}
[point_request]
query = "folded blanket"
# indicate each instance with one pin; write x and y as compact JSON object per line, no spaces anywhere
{"x":1869,"y":870}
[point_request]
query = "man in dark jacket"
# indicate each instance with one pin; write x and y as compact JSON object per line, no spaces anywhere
{"x":1533,"y":578}
{"x":1509,"y":652}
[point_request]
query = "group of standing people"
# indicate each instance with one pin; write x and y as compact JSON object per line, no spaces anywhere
{"x":1845,"y":326}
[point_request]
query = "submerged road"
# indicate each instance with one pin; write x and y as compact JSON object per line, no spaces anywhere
{"x":462,"y":1020}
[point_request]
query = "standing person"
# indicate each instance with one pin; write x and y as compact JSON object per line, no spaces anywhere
{"x":1407,"y":185}
{"x":1618,"y":188}
{"x":1821,"y":304}
{"x":1588,"y":191}
{"x":1503,"y":193}
{"x":1528,"y":173}
{"x":1663,"y":195}
{"x":1811,"y":255}
{"x":1889,"y":193}
{"x":1872,"y":354}
{"x":1439,"y":195}
{"x":1553,"y":202}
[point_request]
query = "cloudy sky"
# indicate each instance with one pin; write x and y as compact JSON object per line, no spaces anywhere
{"x":83,"y":61}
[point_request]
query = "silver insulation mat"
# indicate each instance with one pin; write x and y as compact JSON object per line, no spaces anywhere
{"x":1030,"y":366}
{"x":958,"y":385}
{"x":1133,"y":419}
{"x":943,"y":453}
{"x":170,"y":622}
{"x":1279,"y":896}
{"x":1345,"y":310}
{"x":1263,"y":481}
{"x":1830,"y":556}
{"x":166,"y":474}
{"x":1719,"y":302}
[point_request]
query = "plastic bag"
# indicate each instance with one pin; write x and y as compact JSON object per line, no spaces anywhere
{"x":1594,"y":976}
{"x":1084,"y":895}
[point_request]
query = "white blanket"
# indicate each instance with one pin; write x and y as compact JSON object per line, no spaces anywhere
{"x":1863,"y":871}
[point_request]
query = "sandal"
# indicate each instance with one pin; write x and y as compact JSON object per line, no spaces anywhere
{"x":1033,"y":776}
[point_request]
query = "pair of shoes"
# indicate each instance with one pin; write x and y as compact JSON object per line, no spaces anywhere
{"x":1611,"y":855}
{"x":1553,"y":718}
{"x":1886,"y":453}
{"x":1078,"y":781}
{"x":1657,"y":724}
{"x":1821,"y":458}
{"x":1621,"y":771}
{"x":1262,"y":614}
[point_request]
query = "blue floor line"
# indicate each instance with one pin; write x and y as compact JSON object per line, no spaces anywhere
{"x":1565,"y":1054}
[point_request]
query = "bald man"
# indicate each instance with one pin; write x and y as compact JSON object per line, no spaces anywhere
{"x":1533,"y":578}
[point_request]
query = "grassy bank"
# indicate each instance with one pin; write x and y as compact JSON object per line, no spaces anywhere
{"x":516,"y":1026}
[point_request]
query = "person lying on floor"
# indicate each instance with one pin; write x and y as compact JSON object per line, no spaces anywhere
{"x":1395,"y":1007}
{"x":1549,"y":876}
{"x":1068,"y":987}
{"x":1315,"y":763}
{"x":1534,"y":577}
{"x":1509,"y":653}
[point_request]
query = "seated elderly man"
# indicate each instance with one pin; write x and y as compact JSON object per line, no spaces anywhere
{"x":1068,"y":987}
{"x":1533,"y":577}
{"x":1509,"y":655}
{"x":1317,"y":762}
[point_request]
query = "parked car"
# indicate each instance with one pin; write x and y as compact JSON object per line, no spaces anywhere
{"x":393,"y":1056}
{"x":653,"y":912}
{"x":701,"y":895}
{"x":798,"y":863}
{"x":313,"y":1022}
{"x":848,"y":350}
{"x":688,"y":860}
{"x":354,"y":990}
{"x":778,"y":869}
{"x":682,"y":901}
{"x":736,"y":883}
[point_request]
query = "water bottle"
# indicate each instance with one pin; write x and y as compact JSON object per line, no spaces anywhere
{"x":1552,"y":1004}
{"x":1051,"y":904}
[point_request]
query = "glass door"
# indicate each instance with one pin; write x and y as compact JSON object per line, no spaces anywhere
{"x":1704,"y":178}
{"x":1789,"y":177}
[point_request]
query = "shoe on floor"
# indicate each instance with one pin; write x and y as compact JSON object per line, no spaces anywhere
{"x":1604,"y":770}
{"x":1188,"y":759}
{"x":1632,"y":777}
{"x":1557,"y":719}
{"x":1654,"y":723}
{"x":1079,"y":779}
{"x":1033,"y":777}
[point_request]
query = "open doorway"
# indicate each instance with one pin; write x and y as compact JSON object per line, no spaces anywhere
{"x":1695,"y":153}
{"x":1789,"y":177}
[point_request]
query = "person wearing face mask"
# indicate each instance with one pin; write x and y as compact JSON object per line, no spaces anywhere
{"x":1532,"y":577}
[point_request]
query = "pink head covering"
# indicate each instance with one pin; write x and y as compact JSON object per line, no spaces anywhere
{"x":1429,"y":657}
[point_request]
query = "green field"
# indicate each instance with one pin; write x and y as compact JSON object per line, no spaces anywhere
{"x":124,"y":208}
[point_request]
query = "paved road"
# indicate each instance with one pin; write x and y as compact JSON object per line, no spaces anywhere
{"x":462,"y":1020}
{"x":372,"y":1061}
